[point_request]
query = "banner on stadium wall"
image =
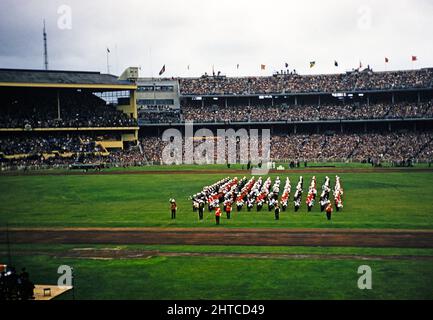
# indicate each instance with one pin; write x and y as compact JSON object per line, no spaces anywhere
{"x":16,"y":156}
{"x":48,"y":155}
{"x":66,"y":154}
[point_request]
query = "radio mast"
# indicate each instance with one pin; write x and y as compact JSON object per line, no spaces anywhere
{"x":45,"y":48}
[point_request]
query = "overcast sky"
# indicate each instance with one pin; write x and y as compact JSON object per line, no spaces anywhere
{"x":223,"y":33}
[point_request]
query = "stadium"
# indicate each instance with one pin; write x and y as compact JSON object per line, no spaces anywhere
{"x":84,"y":182}
{"x":323,"y":118}
{"x":280,"y":186}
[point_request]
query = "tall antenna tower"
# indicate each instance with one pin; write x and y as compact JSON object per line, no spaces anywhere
{"x":45,"y":48}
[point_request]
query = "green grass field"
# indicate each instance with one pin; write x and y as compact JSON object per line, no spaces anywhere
{"x":372,"y":200}
{"x":234,"y":278}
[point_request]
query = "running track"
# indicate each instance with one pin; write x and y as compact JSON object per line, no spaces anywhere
{"x":225,"y":236}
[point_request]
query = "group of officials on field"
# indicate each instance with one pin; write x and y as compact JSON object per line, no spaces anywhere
{"x":239,"y":193}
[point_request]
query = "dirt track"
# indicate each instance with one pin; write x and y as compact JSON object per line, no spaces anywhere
{"x":226,"y":236}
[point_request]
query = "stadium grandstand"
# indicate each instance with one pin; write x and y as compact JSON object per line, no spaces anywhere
{"x":64,"y":117}
{"x":360,"y":115}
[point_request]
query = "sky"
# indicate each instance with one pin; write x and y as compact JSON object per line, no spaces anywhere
{"x":216,"y":34}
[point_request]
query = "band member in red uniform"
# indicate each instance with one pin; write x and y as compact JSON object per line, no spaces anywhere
{"x":310,"y":201}
{"x":240,"y":202}
{"x":173,"y":208}
{"x":228,"y":209}
{"x":329,"y":210}
{"x":217,"y":215}
{"x":298,"y":194}
{"x":338,"y":193}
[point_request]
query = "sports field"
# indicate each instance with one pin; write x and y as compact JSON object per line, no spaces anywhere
{"x":251,"y":256}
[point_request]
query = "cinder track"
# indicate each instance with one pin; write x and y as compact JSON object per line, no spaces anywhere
{"x":226,"y":236}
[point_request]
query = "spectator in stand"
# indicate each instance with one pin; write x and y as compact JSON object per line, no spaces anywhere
{"x":77,"y":110}
{"x":262,"y":113}
{"x":292,"y":82}
{"x":366,"y":147}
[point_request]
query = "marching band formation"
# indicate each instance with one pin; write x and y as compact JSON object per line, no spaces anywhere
{"x":259,"y":193}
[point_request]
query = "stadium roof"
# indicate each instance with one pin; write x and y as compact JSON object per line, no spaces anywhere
{"x":61,"y":79}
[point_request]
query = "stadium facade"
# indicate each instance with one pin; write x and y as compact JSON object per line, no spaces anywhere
{"x":51,"y":116}
{"x":57,"y":107}
{"x":395,"y":106}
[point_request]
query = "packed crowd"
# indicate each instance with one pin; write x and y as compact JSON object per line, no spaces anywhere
{"x":62,"y":151}
{"x":77,"y":110}
{"x":159,"y":117}
{"x":367,"y":147}
{"x":262,"y":113}
{"x":306,"y":112}
{"x":37,"y":145}
{"x":374,"y":148}
{"x":293,"y":83}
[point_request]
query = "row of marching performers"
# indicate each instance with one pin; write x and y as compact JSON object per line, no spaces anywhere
{"x":325,"y":196}
{"x":244,"y":192}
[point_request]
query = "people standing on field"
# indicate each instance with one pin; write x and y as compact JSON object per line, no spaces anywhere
{"x":242,"y":197}
{"x":286,"y":194}
{"x":200,"y":209}
{"x":217,"y":215}
{"x":273,"y":196}
{"x":250,"y":204}
{"x":328,"y":210}
{"x":311,"y":197}
{"x":298,"y":194}
{"x":263,"y":194}
{"x":271,"y":203}
{"x":260,"y":201}
{"x":173,"y":207}
{"x":277,"y":212}
{"x":324,"y":196}
{"x":309,"y":201}
{"x":228,"y":209}
{"x":230,"y":194}
{"x":338,"y":193}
